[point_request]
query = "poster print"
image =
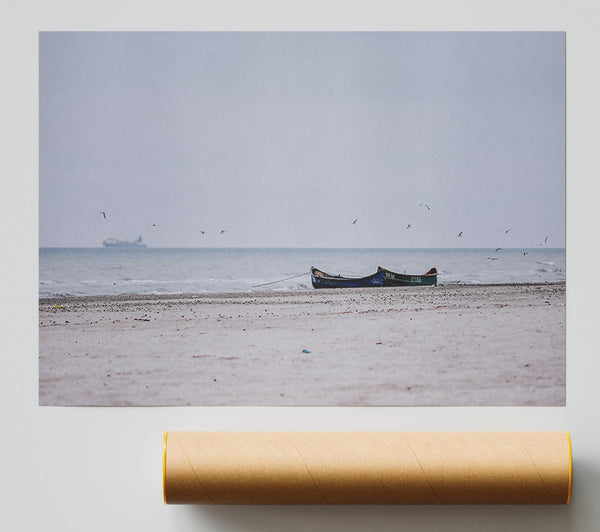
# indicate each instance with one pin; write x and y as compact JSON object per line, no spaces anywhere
{"x":302,"y":218}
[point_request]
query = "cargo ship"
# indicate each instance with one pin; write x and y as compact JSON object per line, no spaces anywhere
{"x":114,"y":243}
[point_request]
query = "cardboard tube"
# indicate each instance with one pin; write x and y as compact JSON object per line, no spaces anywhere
{"x":367,"y":467}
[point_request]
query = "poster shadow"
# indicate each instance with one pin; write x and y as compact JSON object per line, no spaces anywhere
{"x":383,"y":518}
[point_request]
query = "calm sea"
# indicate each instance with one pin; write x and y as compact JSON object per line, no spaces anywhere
{"x":96,"y":271}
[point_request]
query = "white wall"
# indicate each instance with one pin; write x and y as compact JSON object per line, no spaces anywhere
{"x":100,"y":468}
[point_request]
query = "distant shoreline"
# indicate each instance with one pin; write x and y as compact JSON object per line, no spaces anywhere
{"x":263,"y":293}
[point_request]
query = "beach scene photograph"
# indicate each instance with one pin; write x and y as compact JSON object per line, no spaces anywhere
{"x":302,"y":218}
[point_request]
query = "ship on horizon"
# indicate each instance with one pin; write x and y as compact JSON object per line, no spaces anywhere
{"x":115,"y":243}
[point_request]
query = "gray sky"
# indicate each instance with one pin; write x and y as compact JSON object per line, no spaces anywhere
{"x":283,"y":139}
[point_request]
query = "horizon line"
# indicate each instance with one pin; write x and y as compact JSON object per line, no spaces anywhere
{"x":296,"y":247}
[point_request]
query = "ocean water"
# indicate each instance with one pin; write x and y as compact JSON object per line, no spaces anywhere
{"x":99,"y":271}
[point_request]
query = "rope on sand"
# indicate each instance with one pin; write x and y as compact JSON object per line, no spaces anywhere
{"x":281,"y":280}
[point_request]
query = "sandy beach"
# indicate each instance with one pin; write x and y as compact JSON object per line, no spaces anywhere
{"x":444,"y":345}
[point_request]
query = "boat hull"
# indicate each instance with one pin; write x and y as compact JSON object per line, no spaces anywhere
{"x":324,"y":280}
{"x":401,"y":279}
{"x":125,"y":246}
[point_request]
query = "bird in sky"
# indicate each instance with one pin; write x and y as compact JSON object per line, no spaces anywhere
{"x":202,"y":232}
{"x":492,"y":258}
{"x":222,"y":231}
{"x":425,"y":205}
{"x":459,"y":234}
{"x":497,"y":249}
{"x":507,"y":231}
{"x":525,"y":253}
{"x":354,"y":222}
{"x":408,"y":226}
{"x":545,"y":240}
{"x":103,"y":214}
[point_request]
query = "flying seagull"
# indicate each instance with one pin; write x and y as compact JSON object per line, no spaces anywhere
{"x":425,"y":205}
{"x":545,"y":240}
{"x":459,"y":234}
{"x":497,"y":249}
{"x":507,"y":231}
{"x":354,"y":222}
{"x":408,"y":226}
{"x":103,"y":214}
{"x":202,"y":232}
{"x":222,"y":231}
{"x":525,"y":253}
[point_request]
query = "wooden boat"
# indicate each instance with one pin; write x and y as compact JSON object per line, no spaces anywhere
{"x":325,"y":280}
{"x":402,"y":279}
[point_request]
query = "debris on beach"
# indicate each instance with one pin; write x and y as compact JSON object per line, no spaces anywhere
{"x":306,"y":351}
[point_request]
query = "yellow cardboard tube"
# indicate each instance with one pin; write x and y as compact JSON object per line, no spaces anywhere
{"x":367,"y":467}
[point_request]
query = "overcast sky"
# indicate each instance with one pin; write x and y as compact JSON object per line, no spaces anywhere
{"x":284,"y":139}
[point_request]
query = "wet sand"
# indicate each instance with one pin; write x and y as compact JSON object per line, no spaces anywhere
{"x":444,"y":345}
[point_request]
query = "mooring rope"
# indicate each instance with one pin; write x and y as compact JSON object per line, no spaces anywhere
{"x":280,"y":280}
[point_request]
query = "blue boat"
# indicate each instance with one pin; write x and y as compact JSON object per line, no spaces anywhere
{"x":325,"y":280}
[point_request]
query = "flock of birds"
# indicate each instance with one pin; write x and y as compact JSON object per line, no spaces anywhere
{"x":460,"y":233}
{"x":202,"y":232}
{"x":408,"y":226}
